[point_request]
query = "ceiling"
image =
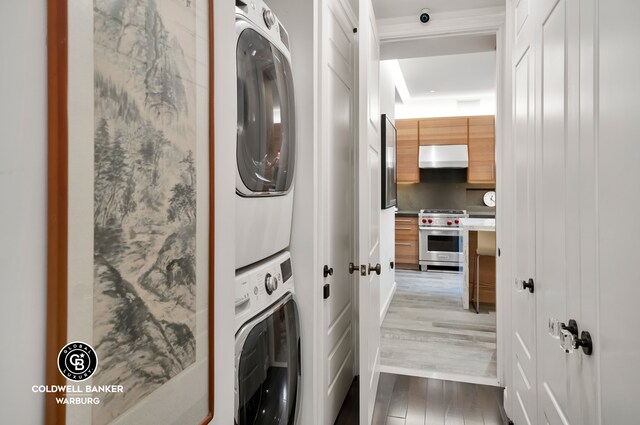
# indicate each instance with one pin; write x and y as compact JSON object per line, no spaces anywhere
{"x":463,"y":75}
{"x":397,"y":8}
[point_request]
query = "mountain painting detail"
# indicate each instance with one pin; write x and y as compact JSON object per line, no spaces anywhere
{"x":144,"y":206}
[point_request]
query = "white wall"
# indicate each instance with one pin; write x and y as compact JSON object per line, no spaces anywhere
{"x":299,"y":20}
{"x":225,"y":169}
{"x":23,"y":167}
{"x":387,"y":217}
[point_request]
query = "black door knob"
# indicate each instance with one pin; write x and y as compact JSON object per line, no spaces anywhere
{"x":327,"y":271}
{"x":528,"y":284}
{"x":585,"y":342}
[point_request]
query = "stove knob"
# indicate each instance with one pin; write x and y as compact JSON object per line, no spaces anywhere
{"x":270,"y":283}
{"x":449,"y":223}
{"x":457,"y":221}
{"x":430,"y":221}
{"x":424,"y":220}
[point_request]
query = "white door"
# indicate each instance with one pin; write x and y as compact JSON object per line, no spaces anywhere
{"x":338,"y":202}
{"x":523,"y":353}
{"x":368,"y":212}
{"x":563,"y":393}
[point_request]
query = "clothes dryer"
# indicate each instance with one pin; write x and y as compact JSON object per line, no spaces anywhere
{"x":266,"y":136}
{"x":267,"y":346}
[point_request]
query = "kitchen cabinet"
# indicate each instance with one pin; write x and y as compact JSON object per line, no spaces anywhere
{"x":407,"y":151}
{"x":482,"y":164}
{"x":487,"y":273}
{"x":407,"y":243}
{"x":443,"y":131}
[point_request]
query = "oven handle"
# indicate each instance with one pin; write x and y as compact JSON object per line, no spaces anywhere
{"x":441,"y":230}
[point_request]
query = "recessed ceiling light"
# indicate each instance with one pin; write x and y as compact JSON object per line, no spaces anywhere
{"x":432,"y":91}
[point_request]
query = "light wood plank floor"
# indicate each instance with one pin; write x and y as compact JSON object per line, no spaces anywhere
{"x":409,"y":400}
{"x":426,"y":328}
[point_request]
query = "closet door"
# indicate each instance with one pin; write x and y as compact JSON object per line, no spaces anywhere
{"x":563,"y":391}
{"x":523,"y":325}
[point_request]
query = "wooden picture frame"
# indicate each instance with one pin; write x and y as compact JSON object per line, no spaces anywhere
{"x":389,"y":159}
{"x":59,"y":197}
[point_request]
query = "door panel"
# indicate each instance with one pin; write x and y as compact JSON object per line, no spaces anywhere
{"x":338,"y":206}
{"x":368,"y":214}
{"x":553,"y":268}
{"x":524,"y":303}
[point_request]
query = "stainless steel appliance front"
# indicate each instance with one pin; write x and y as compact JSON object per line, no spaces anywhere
{"x":440,"y":240}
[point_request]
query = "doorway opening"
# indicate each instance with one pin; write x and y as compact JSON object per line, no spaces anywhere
{"x":439,"y":317}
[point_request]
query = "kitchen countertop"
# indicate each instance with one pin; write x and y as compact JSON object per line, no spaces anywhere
{"x":478,"y":224}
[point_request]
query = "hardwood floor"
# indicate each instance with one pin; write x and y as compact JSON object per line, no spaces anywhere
{"x":409,"y":400}
{"x":426,"y":330}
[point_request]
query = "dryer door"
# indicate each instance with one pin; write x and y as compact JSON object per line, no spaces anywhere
{"x":268,"y":367}
{"x":266,"y":116}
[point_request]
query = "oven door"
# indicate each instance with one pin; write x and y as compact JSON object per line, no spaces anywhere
{"x":266,"y":134}
{"x":440,"y":246}
{"x":268,"y":367}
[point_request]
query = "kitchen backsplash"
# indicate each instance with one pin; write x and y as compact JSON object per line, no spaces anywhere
{"x":443,"y":189}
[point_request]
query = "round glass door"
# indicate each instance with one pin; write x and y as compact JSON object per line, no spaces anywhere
{"x":269,"y":369}
{"x":266,"y":117}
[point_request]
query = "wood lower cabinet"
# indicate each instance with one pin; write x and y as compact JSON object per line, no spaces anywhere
{"x":407,"y":151}
{"x":443,"y":131}
{"x":407,"y":243}
{"x":487,"y":274}
{"x":482,"y":163}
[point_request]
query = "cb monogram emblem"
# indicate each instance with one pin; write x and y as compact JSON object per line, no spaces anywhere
{"x":77,"y":361}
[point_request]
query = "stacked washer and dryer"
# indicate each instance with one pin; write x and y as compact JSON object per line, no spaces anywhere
{"x":267,"y":348}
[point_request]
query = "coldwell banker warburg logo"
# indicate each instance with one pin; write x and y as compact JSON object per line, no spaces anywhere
{"x":77,"y":361}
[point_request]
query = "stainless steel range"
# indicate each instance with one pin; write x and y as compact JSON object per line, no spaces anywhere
{"x":440,"y":240}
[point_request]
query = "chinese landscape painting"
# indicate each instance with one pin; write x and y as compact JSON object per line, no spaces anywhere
{"x":144,"y":199}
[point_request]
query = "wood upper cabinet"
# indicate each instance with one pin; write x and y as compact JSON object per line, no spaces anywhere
{"x":443,"y":131}
{"x":482,"y":136}
{"x":407,"y":151}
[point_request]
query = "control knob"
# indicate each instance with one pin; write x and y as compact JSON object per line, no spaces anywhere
{"x":457,"y":221}
{"x":269,"y":18}
{"x":430,"y":221}
{"x":449,"y":223}
{"x":270,"y":283}
{"x":424,"y":220}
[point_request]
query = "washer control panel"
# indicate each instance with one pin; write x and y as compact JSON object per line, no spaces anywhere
{"x":260,"y":285}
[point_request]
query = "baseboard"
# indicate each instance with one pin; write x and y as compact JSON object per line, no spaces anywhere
{"x":387,"y":302}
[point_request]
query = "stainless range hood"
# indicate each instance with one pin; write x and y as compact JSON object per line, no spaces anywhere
{"x":444,"y":156}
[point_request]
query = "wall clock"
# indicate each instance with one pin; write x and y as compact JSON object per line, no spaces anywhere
{"x":490,"y":199}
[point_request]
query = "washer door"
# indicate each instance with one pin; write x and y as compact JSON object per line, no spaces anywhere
{"x":268,"y":367}
{"x":266,"y":116}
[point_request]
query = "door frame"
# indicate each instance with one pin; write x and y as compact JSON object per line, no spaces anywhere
{"x":322,"y":164}
{"x":495,"y":24}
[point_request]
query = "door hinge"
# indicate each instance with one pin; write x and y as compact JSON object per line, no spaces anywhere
{"x":355,"y":30}
{"x":326,"y":291}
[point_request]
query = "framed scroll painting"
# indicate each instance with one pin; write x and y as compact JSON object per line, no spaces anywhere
{"x":130,"y":275}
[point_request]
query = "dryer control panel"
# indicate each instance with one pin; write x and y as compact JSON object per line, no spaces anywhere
{"x":261,"y":285}
{"x":263,"y":17}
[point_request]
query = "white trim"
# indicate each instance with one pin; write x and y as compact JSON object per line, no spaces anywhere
{"x":387,"y":303}
{"x":473,"y":21}
{"x":444,"y":376}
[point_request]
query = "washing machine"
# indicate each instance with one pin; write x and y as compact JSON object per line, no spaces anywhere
{"x":266,"y":137}
{"x":267,"y":345}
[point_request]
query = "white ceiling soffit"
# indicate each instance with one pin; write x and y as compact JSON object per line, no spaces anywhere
{"x":470,"y":21}
{"x":386,"y":9}
{"x":465,"y":76}
{"x":437,"y":46}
